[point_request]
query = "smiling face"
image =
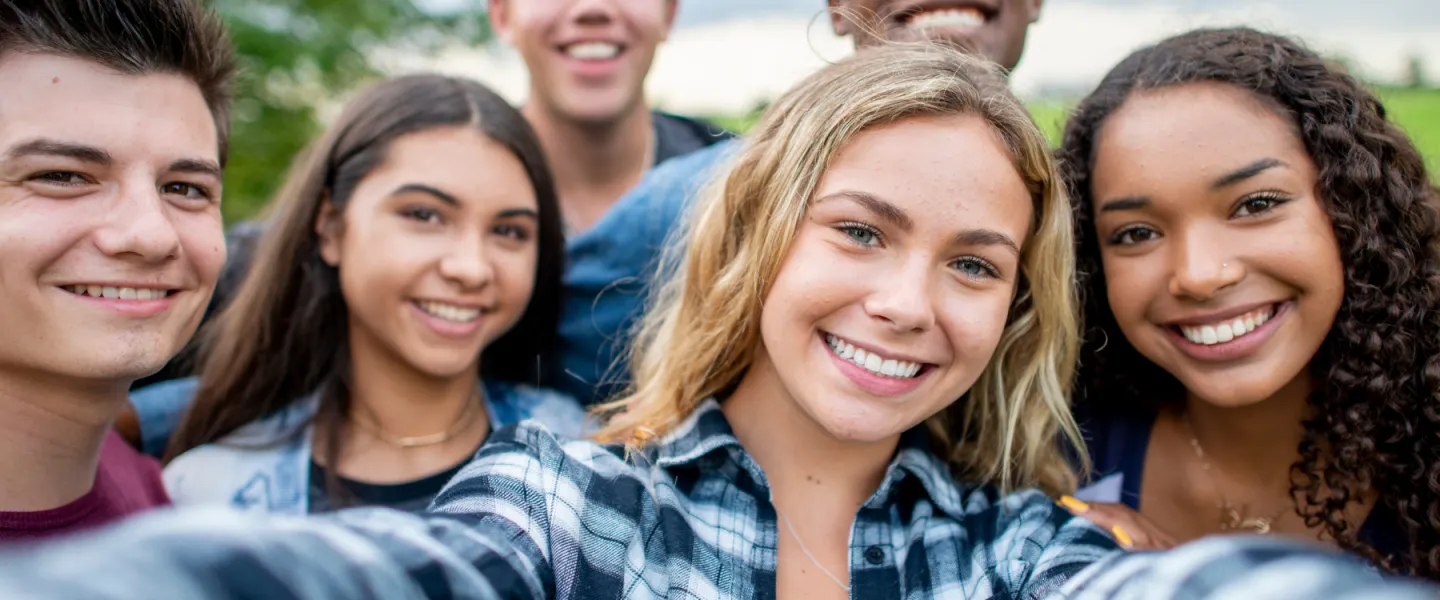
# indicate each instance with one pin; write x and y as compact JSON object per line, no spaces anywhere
{"x":587,"y":58}
{"x":896,"y":288}
{"x":436,"y":250}
{"x":110,"y":229}
{"x":993,"y":28}
{"x":1221,"y":263}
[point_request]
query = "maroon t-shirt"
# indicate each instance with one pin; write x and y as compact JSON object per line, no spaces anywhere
{"x":126,"y":482}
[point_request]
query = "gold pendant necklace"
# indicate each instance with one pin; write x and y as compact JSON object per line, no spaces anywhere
{"x":1231,"y":518}
{"x":462,"y":423}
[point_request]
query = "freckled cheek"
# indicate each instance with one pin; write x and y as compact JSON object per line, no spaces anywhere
{"x":974,"y":326}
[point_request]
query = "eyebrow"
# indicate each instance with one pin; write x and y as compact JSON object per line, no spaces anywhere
{"x":986,"y":237}
{"x":1125,"y":203}
{"x":198,"y":167}
{"x":425,"y":189}
{"x":889,"y":212}
{"x":518,"y":212}
{"x":1246,"y":172}
{"x":47,"y":147}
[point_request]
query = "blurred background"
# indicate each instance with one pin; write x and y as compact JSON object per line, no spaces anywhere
{"x":727,"y":59}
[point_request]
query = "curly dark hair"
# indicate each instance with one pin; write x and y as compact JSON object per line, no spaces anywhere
{"x":1375,"y":420}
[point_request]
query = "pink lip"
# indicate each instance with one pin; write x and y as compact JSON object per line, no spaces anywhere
{"x":449,"y":329}
{"x":139,"y":309}
{"x":1239,"y":348}
{"x":870,"y":382}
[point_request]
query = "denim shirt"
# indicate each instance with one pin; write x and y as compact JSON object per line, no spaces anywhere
{"x":265,"y":465}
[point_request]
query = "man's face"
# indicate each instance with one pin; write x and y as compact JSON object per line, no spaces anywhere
{"x":993,"y":28}
{"x":110,"y":230}
{"x":587,"y":58}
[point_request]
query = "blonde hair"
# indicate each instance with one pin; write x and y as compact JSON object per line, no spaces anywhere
{"x":703,"y":330}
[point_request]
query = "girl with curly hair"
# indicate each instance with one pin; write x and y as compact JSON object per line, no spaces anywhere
{"x":1257,"y":256}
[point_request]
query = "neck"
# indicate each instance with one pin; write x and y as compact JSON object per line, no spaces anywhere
{"x":404,"y":402}
{"x":1257,"y":441}
{"x":805,"y":465}
{"x":53,"y":430}
{"x":593,"y":163}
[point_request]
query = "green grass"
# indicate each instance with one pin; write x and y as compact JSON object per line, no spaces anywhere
{"x":1416,"y":111}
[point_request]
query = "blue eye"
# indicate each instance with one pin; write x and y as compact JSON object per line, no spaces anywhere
{"x":976,"y":268}
{"x":861,"y":233}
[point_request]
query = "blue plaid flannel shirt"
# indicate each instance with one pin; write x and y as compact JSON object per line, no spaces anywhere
{"x":535,"y":517}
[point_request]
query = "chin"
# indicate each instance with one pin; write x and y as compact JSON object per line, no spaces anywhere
{"x":597,"y":107}
{"x":1236,"y":395}
{"x":859,"y":427}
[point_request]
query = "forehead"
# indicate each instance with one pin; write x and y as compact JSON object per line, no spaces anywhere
{"x":951,"y":172}
{"x":1190,"y":133}
{"x":462,"y":161}
{"x":157,"y":115}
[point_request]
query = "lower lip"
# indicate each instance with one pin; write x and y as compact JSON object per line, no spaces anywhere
{"x":592,"y":67}
{"x":139,"y":309}
{"x":870,"y":382}
{"x":447,"y":328}
{"x":1235,"y":349}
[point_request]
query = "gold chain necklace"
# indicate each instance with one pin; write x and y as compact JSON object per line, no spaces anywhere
{"x":462,"y":423}
{"x":1231,"y":518}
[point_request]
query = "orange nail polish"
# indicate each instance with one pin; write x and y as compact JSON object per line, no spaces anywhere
{"x":1073,"y":504}
{"x":1122,"y":537}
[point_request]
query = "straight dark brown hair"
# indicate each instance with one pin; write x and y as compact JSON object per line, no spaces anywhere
{"x":285,"y":335}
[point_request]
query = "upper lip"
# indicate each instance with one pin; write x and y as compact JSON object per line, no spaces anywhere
{"x":869,"y":349}
{"x":457,"y":303}
{"x":126,"y":284}
{"x":590,"y":40}
{"x":1220,"y":315}
{"x":902,"y":11}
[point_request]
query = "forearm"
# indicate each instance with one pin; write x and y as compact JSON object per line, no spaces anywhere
{"x":220,"y":554}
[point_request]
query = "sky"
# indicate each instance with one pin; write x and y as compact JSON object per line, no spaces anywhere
{"x":727,"y":55}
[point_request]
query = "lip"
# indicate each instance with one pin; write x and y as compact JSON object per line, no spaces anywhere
{"x":138,"y":309}
{"x":591,"y":68}
{"x":448,"y":329}
{"x":877,"y":350}
{"x":870,"y":382}
{"x":1239,"y":348}
{"x":1216,"y":316}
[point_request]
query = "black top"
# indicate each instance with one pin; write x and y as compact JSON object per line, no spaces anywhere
{"x":411,"y":496}
{"x":1118,"y":443}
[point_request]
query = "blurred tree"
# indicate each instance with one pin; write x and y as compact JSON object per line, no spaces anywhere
{"x":295,"y":54}
{"x":1415,"y":71}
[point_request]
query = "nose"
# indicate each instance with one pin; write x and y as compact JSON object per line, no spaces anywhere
{"x":903,"y":300}
{"x":466,"y":263}
{"x":138,"y":226}
{"x":1202,"y":268}
{"x":594,"y":12}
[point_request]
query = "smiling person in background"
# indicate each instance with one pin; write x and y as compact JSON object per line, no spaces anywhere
{"x":415,"y":252}
{"x":995,"y":29}
{"x":113,"y":125}
{"x":1260,"y":259}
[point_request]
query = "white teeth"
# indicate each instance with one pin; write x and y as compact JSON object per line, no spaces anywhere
{"x":957,"y":18}
{"x":593,"y":51}
{"x":1228,"y":330}
{"x":116,"y":293}
{"x":449,"y":312}
{"x":870,"y":361}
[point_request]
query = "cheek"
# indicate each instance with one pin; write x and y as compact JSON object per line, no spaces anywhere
{"x":515,"y":273}
{"x":36,"y":236}
{"x":974,"y":323}
{"x":203,"y":238}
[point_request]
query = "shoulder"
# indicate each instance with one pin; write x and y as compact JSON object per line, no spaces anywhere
{"x":676,"y":135}
{"x":1027,"y":525}
{"x":512,"y":403}
{"x":528,"y":464}
{"x":264,"y":465}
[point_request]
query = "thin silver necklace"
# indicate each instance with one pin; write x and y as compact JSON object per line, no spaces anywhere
{"x":808,"y":555}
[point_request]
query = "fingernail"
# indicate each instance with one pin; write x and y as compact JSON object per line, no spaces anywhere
{"x":1074,"y":504}
{"x":1122,"y":537}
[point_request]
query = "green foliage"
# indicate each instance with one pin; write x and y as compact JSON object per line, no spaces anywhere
{"x":295,"y":54}
{"x":1417,"y":111}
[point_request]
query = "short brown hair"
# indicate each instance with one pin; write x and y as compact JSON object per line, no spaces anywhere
{"x":134,"y":37}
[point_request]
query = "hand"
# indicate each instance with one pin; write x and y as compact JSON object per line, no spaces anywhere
{"x":1132,"y":530}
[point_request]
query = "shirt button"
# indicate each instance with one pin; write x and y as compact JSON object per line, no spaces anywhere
{"x":874,"y":555}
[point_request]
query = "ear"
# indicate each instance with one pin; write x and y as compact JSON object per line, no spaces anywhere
{"x":1034,"y":7}
{"x":672,"y":7}
{"x":328,"y":228}
{"x":838,"y":20}
{"x":499,"y":12}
